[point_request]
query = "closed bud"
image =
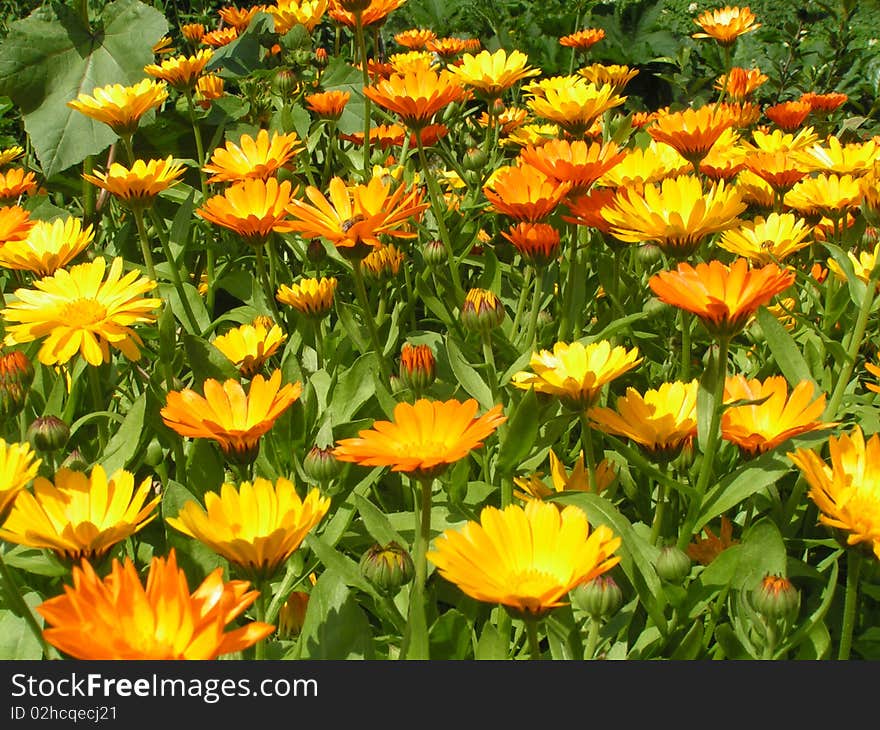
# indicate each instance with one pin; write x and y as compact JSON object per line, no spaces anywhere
{"x":315,"y":252}
{"x":654,"y":307}
{"x":600,"y":597}
{"x":673,"y":565}
{"x":292,"y":615}
{"x":16,"y":375}
{"x":776,"y":599}
{"x":320,"y":465}
{"x":434,"y":253}
{"x":482,"y":310}
{"x":48,"y":433}
{"x":474,"y":159}
{"x":74,"y":461}
{"x":382,"y":264}
{"x":417,"y":367}
{"x":648,"y":253}
{"x":387,"y":567}
{"x":285,"y":82}
{"x":321,"y":58}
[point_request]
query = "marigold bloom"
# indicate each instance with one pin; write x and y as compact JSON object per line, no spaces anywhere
{"x":374,"y":12}
{"x":642,"y":165}
{"x":256,"y":526}
{"x":18,"y":466}
{"x":238,"y":18}
{"x":449,"y":47}
{"x":121,"y":107}
{"x":587,"y":210}
{"x":49,"y":246}
{"x":537,"y":243}
{"x":824,"y":102}
{"x":328,"y":104}
{"x":418,"y":367}
{"x":677,"y":214}
{"x":79,"y":516}
{"x":862,"y":265}
{"x":525,"y":558}
{"x":382,"y":263}
{"x":424,"y":438}
{"x":575,"y":162}
{"x":491,"y":74}
{"x":741,"y":83}
{"x":249,"y":346}
{"x":764,"y":240}
{"x":723,"y":297}
{"x":120,"y":618}
{"x":524,"y":193}
{"x":572,"y":102}
{"x":779,"y":141}
{"x":847,"y":492}
{"x":661,"y":422}
{"x":81,"y":311}
{"x":181,"y":72}
{"x":726,"y":24}
{"x":138,"y":185}
{"x":235,"y":419}
{"x":856,"y":159}
{"x":288,"y":13}
{"x":193,"y":32}
{"x":208,"y":88}
{"x":754,"y":190}
{"x":582,"y":40}
{"x":825,"y":194}
{"x":416,"y":96}
{"x":577,"y":481}
{"x":760,"y":427}
{"x":220,"y":37}
{"x":725,"y":159}
{"x":788,"y":115}
{"x":16,"y":182}
{"x":253,"y":208}
{"x":690,"y":132}
{"x":251,"y":158}
{"x":614,"y":75}
{"x":743,"y":114}
{"x":415,"y":38}
{"x":482,"y":310}
{"x":704,"y":550}
{"x":311,"y":297}
{"x":575,"y":372}
{"x":780,"y":169}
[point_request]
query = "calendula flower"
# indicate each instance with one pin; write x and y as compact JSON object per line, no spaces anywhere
{"x":780,"y":169}
{"x":424,"y":438}
{"x":765,"y":240}
{"x":220,"y":37}
{"x":676,"y":214}
{"x":760,"y":427}
{"x":82,"y":311}
{"x":416,"y":96}
{"x":724,"y":297}
{"x":449,"y":47}
{"x":412,"y":61}
{"x":181,"y":72}
{"x":138,"y":185}
{"x":855,"y":158}
{"x":572,"y":102}
{"x":238,"y":18}
{"x":328,"y":104}
{"x":705,"y":549}
{"x":208,"y":88}
{"x":725,"y":159}
{"x":372,"y":12}
{"x":252,"y":158}
{"x":690,"y":132}
{"x":661,"y":422}
{"x":16,"y":182}
{"x":311,"y":297}
{"x":754,"y":190}
{"x":524,"y":193}
{"x":49,"y":246}
{"x":18,"y":466}
{"x":614,"y":75}
{"x":121,"y":107}
{"x":80,"y":516}
{"x":193,"y":32}
{"x":587,"y":210}
{"x":824,"y":102}
{"x":643,"y":165}
{"x":575,"y":162}
{"x":582,"y":40}
{"x":788,"y":115}
{"x":726,"y":24}
{"x":779,"y":141}
{"x":118,"y":617}
{"x":576,"y":373}
{"x":256,"y":526}
{"x":577,"y":481}
{"x":229,"y":415}
{"x":252,"y":208}
{"x":491,"y":74}
{"x":288,"y":13}
{"x":9,"y":154}
{"x":525,"y":558}
{"x":537,"y":243}
{"x":382,"y":263}
{"x":740,"y":83}
{"x":415,"y":38}
{"x":418,"y":367}
{"x":825,"y":194}
{"x":847,"y":492}
{"x":249,"y":346}
{"x":862,"y":265}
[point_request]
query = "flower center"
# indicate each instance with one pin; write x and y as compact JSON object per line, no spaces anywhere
{"x":82,"y":312}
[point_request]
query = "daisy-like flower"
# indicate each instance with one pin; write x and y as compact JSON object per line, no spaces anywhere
{"x":588,"y":210}
{"x":415,"y":39}
{"x":208,"y":88}
{"x":424,"y":438}
{"x":383,"y":136}
{"x":412,"y":61}
{"x":220,"y":37}
{"x":229,"y":415}
{"x":614,"y":75}
{"x":354,"y":217}
{"x":725,"y":159}
{"x":118,"y":617}
{"x":121,"y":107}
{"x":448,"y":48}
{"x":382,"y":263}
{"x":238,"y":18}
{"x":79,"y":310}
{"x":416,"y":96}
{"x":788,"y":115}
{"x":259,"y":158}
{"x":139,"y":185}
{"x":705,"y":549}
{"x":690,"y":132}
{"x":524,"y":193}
{"x":741,"y":83}
{"x":577,"y":481}
{"x":537,"y":243}
{"x":288,"y":13}
{"x":16,"y":182}
{"x":576,"y":373}
{"x":10,"y":154}
{"x":525,"y":558}
{"x":18,"y":466}
{"x":824,"y":102}
{"x":575,"y":162}
{"x":491,"y":74}
{"x":49,"y":246}
{"x":778,"y":140}
{"x":676,"y":214}
{"x":252,"y":208}
{"x":825,"y":194}
{"x":181,"y":72}
{"x":79,"y":516}
{"x":661,"y":422}
{"x":856,"y":158}
{"x":780,"y":169}
{"x":311,"y":297}
{"x":582,"y":40}
{"x":726,"y":24}
{"x":572,"y":102}
{"x":760,"y":427}
{"x":847,"y":492}
{"x":862,"y":265}
{"x":256,"y":526}
{"x":193,"y":32}
{"x":724,"y":297}
{"x":755,"y":191}
{"x":328,"y":104}
{"x":764,"y":240}
{"x":643,"y":165}
{"x":249,"y":346}
{"x":373,"y":12}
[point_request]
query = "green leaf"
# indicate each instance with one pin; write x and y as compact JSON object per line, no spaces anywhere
{"x":335,"y":627}
{"x":450,"y":636}
{"x":762,"y":553}
{"x":563,"y":634}
{"x":205,"y":470}
{"x":520,"y":435}
{"x":51,"y":57}
{"x":786,"y":353}
{"x":340,"y":564}
{"x":206,"y":361}
{"x":857,"y":288}
{"x":17,"y":641}
{"x":377,"y":523}
{"x":469,"y":379}
{"x":124,"y":444}
{"x":353,"y":389}
{"x":705,"y":403}
{"x":491,"y":645}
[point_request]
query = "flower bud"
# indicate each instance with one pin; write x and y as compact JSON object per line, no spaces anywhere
{"x":321,"y":58}
{"x":482,"y":310}
{"x":285,"y":82}
{"x":673,"y":565}
{"x":387,"y":567}
{"x":74,"y":461}
{"x":320,"y":465}
{"x":292,"y":615}
{"x":382,"y":264}
{"x":315,"y":252}
{"x":648,"y":253}
{"x":600,"y":597}
{"x":16,"y":375}
{"x":434,"y":253}
{"x":775,"y":598}
{"x":48,"y":433}
{"x":417,"y":367}
{"x":474,"y":159}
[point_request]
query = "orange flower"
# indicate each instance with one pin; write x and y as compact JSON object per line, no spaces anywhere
{"x":385,"y":136}
{"x":726,"y":25}
{"x":252,"y":158}
{"x":121,"y":107}
{"x":138,"y":185}
{"x":725,"y":159}
{"x":328,"y":104}
{"x":238,"y":18}
{"x":741,"y":83}
{"x":415,"y":39}
{"x":690,"y":132}
{"x":16,"y":182}
{"x":824,"y":102}
{"x":779,"y":169}
{"x":723,"y":297}
{"x":537,"y":243}
{"x":582,"y":40}
{"x":575,"y":162}
{"x":374,"y":12}
{"x":788,"y":115}
{"x":705,"y":550}
{"x":15,"y":223}
{"x":524,"y":193}
{"x":416,"y":96}
{"x":120,"y":618}
{"x":252,"y":208}
{"x":181,"y":72}
{"x":220,"y":37}
{"x":208,"y":88}
{"x":587,"y":210}
{"x":424,"y":438}
{"x":193,"y":32}
{"x":615,"y":76}
{"x":572,"y":102}
{"x":448,"y":48}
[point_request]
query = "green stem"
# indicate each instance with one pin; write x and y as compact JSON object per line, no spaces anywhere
{"x":267,"y":285}
{"x":175,"y":272}
{"x":260,"y":611}
{"x":587,"y":440}
{"x":362,"y":53}
{"x":287,"y":583}
{"x":532,"y":633}
{"x":319,"y":341}
{"x":88,"y":190}
{"x":686,"y":319}
{"x":850,"y":602}
{"x":565,"y":326}
{"x":416,"y":619}
{"x":99,"y":405}
{"x":15,"y":597}
{"x":203,"y":179}
{"x":364,"y":301}
{"x":659,"y":511}
{"x":521,"y":301}
{"x":144,"y":240}
{"x":592,"y":638}
{"x":489,"y":357}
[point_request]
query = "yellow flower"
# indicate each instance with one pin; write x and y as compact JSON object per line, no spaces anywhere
{"x":576,"y":372}
{"x":826,"y":194}
{"x":491,"y":74}
{"x":311,"y":297}
{"x":856,"y":159}
{"x":181,"y":72}
{"x":249,"y":346}
{"x":726,"y":24}
{"x":862,"y":266}
{"x":9,"y":154}
{"x":288,"y":13}
{"x":778,"y":140}
{"x":382,"y":263}
{"x":765,"y":240}
{"x":256,"y":526}
{"x":847,"y":492}
{"x":572,"y":102}
{"x":81,"y":311}
{"x":643,"y":165}
{"x":577,"y":481}
{"x":119,"y":618}
{"x":690,"y":132}
{"x":252,"y":208}
{"x":208,"y":88}
{"x":139,"y":185}
{"x":252,"y":158}
{"x":18,"y":465}
{"x":526,"y":559}
{"x":616,"y":76}
{"x":121,"y":107}
{"x":49,"y":246}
